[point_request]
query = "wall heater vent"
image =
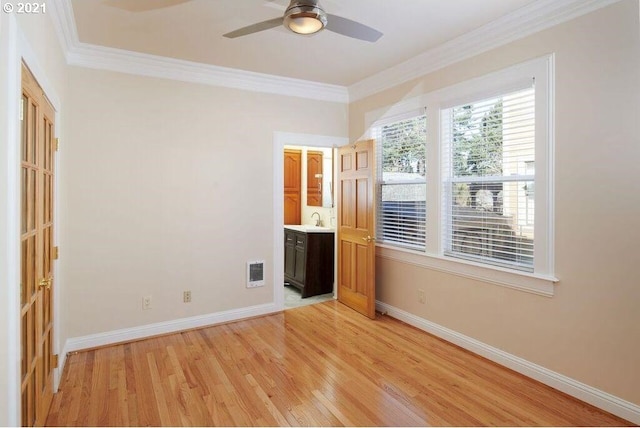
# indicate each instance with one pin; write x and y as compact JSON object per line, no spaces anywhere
{"x":255,"y":274}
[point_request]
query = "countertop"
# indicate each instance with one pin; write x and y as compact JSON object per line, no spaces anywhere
{"x":308,"y":228}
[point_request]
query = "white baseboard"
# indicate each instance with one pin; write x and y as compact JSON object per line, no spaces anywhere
{"x":586,"y":393}
{"x":150,"y":330}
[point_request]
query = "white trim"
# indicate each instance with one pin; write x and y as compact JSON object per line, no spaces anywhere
{"x":549,"y":213}
{"x":531,"y":283}
{"x":145,"y":331}
{"x":10,"y":236}
{"x":572,"y":387}
{"x":103,"y":58}
{"x":27,"y":54}
{"x":64,"y":23}
{"x":278,"y":220}
{"x":57,"y":301}
{"x":281,"y":139}
{"x":530,"y":19}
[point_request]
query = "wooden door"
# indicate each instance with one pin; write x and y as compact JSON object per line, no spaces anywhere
{"x":356,"y":227}
{"x":314,"y":178}
{"x":292,"y":187}
{"x":36,"y":284}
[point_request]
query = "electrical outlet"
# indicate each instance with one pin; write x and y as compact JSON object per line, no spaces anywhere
{"x":421,"y":296}
{"x":186,"y":296}
{"x":146,"y":302}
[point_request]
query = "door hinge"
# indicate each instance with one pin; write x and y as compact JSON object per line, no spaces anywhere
{"x":54,"y":253}
{"x":54,"y":361}
{"x":57,"y":144}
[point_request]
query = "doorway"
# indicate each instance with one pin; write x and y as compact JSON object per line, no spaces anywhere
{"x":282,"y":140}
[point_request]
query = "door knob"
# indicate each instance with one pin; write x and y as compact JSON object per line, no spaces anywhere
{"x":368,"y":238}
{"x":45,"y":283}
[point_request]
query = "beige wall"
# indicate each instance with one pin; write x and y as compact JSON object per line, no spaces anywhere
{"x":590,"y":329}
{"x":169,"y":187}
{"x":33,"y":38}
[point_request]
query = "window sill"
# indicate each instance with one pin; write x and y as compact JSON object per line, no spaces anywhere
{"x":541,"y":285}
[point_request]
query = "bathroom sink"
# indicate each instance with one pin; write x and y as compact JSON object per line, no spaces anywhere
{"x":309,"y":228}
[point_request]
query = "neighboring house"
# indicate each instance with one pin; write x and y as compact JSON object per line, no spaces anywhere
{"x":165,"y":184}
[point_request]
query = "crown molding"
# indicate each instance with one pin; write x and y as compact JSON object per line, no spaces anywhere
{"x":530,"y":19}
{"x":104,"y":58}
{"x":65,"y":24}
{"x":534,"y":17}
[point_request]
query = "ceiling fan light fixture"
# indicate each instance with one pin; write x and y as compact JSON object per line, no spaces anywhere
{"x":304,"y":19}
{"x":308,"y":17}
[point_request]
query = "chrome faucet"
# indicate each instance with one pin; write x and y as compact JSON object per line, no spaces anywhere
{"x":317,"y":221}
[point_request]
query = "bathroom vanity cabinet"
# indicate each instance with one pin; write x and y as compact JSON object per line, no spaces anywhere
{"x":309,"y":260}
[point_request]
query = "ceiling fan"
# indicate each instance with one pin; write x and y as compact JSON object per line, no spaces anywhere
{"x":308,"y":17}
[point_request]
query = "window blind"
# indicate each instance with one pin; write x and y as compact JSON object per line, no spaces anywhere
{"x":489,"y":180}
{"x":402,"y":182}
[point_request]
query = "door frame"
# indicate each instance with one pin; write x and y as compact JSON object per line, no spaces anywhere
{"x":281,"y":139}
{"x":18,"y":50}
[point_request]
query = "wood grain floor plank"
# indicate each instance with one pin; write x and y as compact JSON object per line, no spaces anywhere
{"x":320,"y":365}
{"x":85,"y":387}
{"x":343,"y":419}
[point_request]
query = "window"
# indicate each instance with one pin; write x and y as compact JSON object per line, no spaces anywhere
{"x":465,"y":178}
{"x":402,"y":182}
{"x":489,"y":148}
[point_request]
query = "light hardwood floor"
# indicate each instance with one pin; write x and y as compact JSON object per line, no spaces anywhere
{"x":316,"y":365}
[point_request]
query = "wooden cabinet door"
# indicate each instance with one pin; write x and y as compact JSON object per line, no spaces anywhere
{"x":314,"y":178}
{"x":292,"y":208}
{"x":292,"y":187}
{"x":289,"y":254}
{"x":301,"y":257}
{"x":292,"y":170}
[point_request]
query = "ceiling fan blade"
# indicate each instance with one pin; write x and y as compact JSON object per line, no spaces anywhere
{"x":353,"y":29}
{"x":142,"y":5}
{"x":254,"y":28}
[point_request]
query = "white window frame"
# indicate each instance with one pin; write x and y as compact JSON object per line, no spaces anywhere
{"x":387,"y":120}
{"x":541,"y":281}
{"x":449,"y":178}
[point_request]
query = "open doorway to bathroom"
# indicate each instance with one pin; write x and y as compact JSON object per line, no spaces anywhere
{"x":317,"y":210}
{"x":309,"y":225}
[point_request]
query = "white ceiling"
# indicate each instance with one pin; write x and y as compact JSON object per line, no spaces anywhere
{"x":193,"y":29}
